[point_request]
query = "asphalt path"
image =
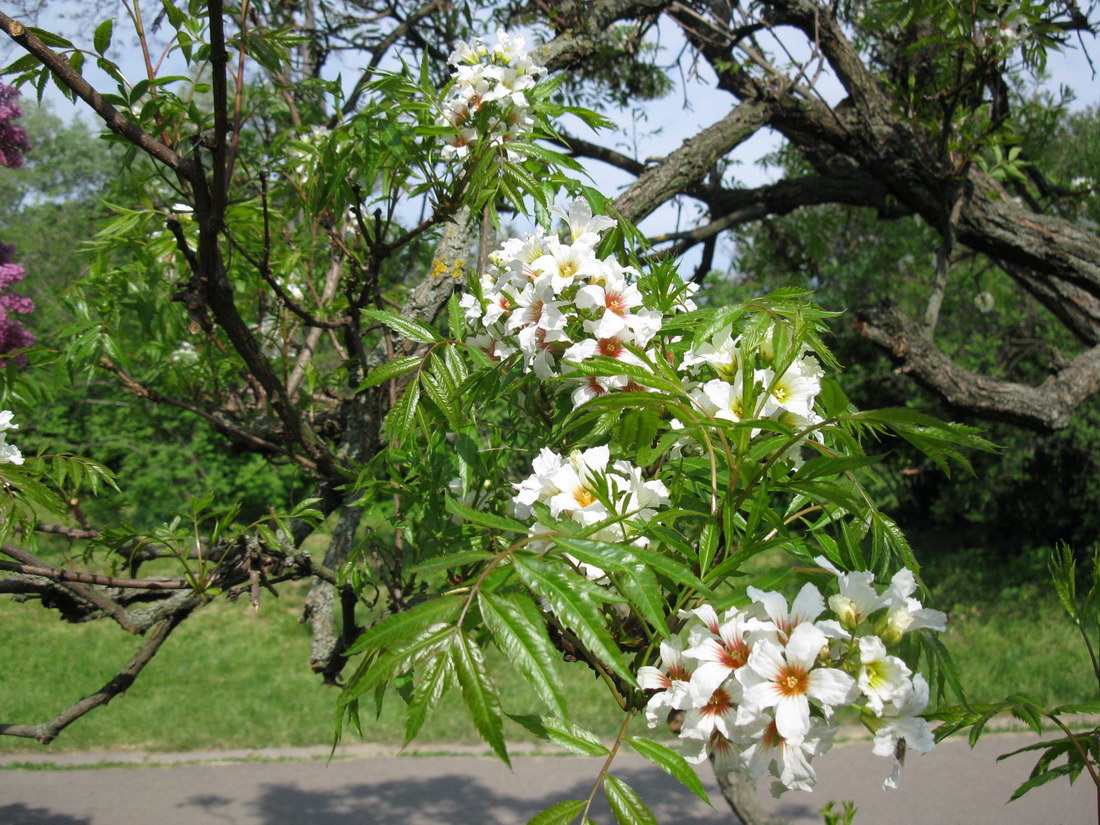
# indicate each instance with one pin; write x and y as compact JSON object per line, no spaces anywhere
{"x":366,"y":786}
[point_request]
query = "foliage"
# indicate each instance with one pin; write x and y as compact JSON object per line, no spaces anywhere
{"x":575,"y":459}
{"x":1077,"y":591}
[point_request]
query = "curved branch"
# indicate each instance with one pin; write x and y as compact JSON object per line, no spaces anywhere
{"x":1049,"y":406}
{"x":581,"y":148}
{"x":687,"y":166}
{"x":115,"y":120}
{"x":119,"y":683}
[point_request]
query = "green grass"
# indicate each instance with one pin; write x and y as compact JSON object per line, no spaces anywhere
{"x":227,"y":678}
{"x":231,"y":678}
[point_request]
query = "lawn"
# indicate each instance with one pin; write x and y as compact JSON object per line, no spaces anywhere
{"x":232,"y":678}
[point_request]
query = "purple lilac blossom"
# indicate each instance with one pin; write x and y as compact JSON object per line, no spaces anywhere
{"x":13,"y":139}
{"x":13,"y":143}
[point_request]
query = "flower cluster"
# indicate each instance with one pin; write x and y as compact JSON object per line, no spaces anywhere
{"x":752,"y":384}
{"x":758,"y":686}
{"x":582,"y":487}
{"x":555,"y":300}
{"x":488,"y":97}
{"x":9,"y":453}
{"x":12,"y":333}
{"x":13,"y":139}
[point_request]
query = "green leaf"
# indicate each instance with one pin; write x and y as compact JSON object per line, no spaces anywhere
{"x":1043,"y":778}
{"x":628,"y":807}
{"x":407,"y":327}
{"x":50,"y":39}
{"x":708,"y":544}
{"x":519,"y":630}
{"x":391,"y":369}
{"x":428,"y":689}
{"x":175,"y":16}
{"x":450,"y":560}
{"x":406,"y":624}
{"x":493,"y":522}
{"x":573,"y":600}
{"x":641,"y":588}
{"x":1078,"y":707}
{"x":671,"y":763}
{"x":101,"y":40}
{"x":829,"y":466}
{"x":428,"y":641}
{"x":561,"y":813}
{"x":399,"y":422}
{"x":562,"y":733}
{"x":479,"y":693}
{"x":440,"y":393}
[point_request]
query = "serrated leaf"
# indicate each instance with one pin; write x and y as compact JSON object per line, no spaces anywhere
{"x":437,"y":390}
{"x":519,"y":630}
{"x":450,"y":560}
{"x":406,"y":327}
{"x":479,"y":693}
{"x":428,"y":641}
{"x":101,"y":40}
{"x":641,"y":588}
{"x":1078,"y":707}
{"x":562,"y":733}
{"x":573,"y":600}
{"x":626,"y":805}
{"x":830,"y":465}
{"x":175,"y":16}
{"x":399,"y":421}
{"x":428,"y":689}
{"x":493,"y":522}
{"x":1042,"y":779}
{"x":391,"y":369}
{"x":404,"y":625}
{"x":561,"y":813}
{"x":671,"y":763}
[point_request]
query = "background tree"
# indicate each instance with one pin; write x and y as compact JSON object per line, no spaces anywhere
{"x":254,"y":305}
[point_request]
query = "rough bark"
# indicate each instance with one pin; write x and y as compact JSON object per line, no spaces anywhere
{"x":1053,"y":259}
{"x":1050,"y":405}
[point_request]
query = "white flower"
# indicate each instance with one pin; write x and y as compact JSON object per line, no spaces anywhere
{"x":788,"y":761}
{"x":882,"y":678}
{"x":722,"y":399}
{"x":584,"y":227}
{"x":794,"y":390}
{"x":617,"y":303}
{"x":670,"y":679}
{"x":785,"y":678}
{"x":538,"y":486}
{"x":566,"y":263}
{"x":900,"y":726}
{"x":721,"y":352}
{"x":807,"y":606}
{"x":576,"y":480}
{"x":906,"y":614}
{"x":722,"y":657}
{"x":9,"y":453}
{"x":715,"y":714}
{"x":857,"y":598}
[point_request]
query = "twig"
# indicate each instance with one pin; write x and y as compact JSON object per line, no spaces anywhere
{"x":56,"y":574}
{"x":119,"y":683}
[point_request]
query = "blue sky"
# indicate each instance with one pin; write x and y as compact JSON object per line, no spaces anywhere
{"x":669,"y":122}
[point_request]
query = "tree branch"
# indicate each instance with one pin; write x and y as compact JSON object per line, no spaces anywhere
{"x":687,"y":166}
{"x":115,"y":120}
{"x":119,"y":683}
{"x":1049,"y":406}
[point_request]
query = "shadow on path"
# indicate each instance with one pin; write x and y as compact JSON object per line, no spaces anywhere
{"x":457,"y":800}
{"x":20,"y":814}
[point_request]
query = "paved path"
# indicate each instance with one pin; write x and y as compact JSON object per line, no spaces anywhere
{"x":952,"y":785}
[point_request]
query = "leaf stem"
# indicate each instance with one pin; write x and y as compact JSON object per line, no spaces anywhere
{"x":607,"y":763}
